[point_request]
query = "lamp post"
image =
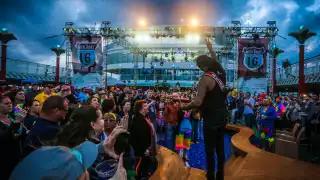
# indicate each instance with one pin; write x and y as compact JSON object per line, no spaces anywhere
{"x":58,"y":52}
{"x":5,"y":37}
{"x":275,"y":53}
{"x":301,"y":36}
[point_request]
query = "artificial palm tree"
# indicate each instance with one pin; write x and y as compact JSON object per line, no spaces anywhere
{"x":58,"y":50}
{"x":275,"y":53}
{"x":5,"y":37}
{"x":301,"y":36}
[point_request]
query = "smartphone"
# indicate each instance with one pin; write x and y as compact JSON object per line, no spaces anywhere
{"x":17,"y":109}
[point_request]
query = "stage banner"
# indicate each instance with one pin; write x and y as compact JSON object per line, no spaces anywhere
{"x":252,"y":65}
{"x":87,"y":55}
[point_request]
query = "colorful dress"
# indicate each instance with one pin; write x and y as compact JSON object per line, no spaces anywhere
{"x":183,"y":138}
{"x":266,"y":126}
{"x":280,"y":110}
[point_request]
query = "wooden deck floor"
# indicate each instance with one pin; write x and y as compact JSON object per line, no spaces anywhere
{"x":255,"y":165}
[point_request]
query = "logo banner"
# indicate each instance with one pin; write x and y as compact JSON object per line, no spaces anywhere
{"x":87,"y":55}
{"x":252,"y":64}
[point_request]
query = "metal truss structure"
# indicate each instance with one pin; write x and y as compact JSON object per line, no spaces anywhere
{"x":231,"y":35}
{"x":236,"y":31}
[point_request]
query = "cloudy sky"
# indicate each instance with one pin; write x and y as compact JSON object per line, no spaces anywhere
{"x":34,"y":20}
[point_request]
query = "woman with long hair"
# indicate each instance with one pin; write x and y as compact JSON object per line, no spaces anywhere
{"x":85,"y":123}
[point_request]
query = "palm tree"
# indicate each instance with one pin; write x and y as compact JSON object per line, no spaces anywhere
{"x":275,"y":53}
{"x":301,"y":36}
{"x":5,"y":37}
{"x":58,"y":52}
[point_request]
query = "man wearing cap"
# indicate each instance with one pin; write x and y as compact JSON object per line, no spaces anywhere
{"x":211,"y":100}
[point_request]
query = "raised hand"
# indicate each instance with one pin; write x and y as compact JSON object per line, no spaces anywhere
{"x":125,"y":122}
{"x":108,"y":144}
{"x":210,"y":48}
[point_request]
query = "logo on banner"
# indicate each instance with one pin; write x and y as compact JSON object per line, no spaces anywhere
{"x":253,"y":57}
{"x":87,"y":54}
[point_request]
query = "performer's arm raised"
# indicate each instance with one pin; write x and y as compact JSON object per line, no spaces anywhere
{"x":210,"y":48}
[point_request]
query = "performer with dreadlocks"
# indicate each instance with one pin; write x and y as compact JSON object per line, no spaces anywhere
{"x":211,"y":100}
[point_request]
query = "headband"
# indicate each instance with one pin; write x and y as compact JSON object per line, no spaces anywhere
{"x":111,"y":114}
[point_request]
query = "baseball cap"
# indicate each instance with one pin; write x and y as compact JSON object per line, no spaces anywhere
{"x":56,"y":162}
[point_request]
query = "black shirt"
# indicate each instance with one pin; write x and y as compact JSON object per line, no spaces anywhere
{"x":42,"y":131}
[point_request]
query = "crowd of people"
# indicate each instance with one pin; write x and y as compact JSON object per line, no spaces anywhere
{"x":79,"y":133}
{"x":266,"y":114}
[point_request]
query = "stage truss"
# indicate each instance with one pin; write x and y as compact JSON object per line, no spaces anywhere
{"x":118,"y":35}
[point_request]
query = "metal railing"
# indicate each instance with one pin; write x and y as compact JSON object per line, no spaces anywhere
{"x":19,"y":66}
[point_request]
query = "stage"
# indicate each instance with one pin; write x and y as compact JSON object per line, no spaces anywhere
{"x":247,"y":162}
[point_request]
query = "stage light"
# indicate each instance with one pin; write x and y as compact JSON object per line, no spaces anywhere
{"x":142,"y":23}
{"x":58,"y":46}
{"x":194,"y":22}
{"x":4,"y":29}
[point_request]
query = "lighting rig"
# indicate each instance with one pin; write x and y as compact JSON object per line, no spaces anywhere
{"x":236,"y":31}
{"x":119,"y":36}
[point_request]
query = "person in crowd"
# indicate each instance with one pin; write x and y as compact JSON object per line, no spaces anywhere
{"x":10,"y":136}
{"x":119,"y":98}
{"x":171,"y":119}
{"x":152,"y":113}
{"x":33,"y":113}
{"x":143,"y":140}
{"x":109,"y":106}
{"x":65,"y":91}
{"x":47,"y":126}
{"x":308,"y":109}
{"x":110,"y":122}
{"x":183,"y":137}
{"x":34,"y":91}
{"x":125,"y":111}
{"x":265,"y":120}
{"x":211,"y":99}
{"x":85,"y":123}
{"x":139,"y":96}
{"x":43,"y":96}
{"x":94,"y":101}
{"x":240,"y":107}
{"x":248,"y":110}
{"x":102,"y":95}
{"x":195,"y":119}
{"x":61,"y":162}
{"x":280,"y":111}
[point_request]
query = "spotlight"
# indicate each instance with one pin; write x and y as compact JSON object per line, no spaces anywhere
{"x":194,"y":22}
{"x":142,"y":23}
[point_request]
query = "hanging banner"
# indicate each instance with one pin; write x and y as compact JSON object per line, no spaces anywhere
{"x":252,"y":65}
{"x":87,"y":55}
{"x":87,"y":61}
